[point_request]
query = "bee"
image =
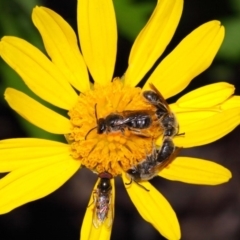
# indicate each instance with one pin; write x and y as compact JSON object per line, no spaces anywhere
{"x":103,"y":206}
{"x":159,"y":158}
{"x":135,"y":121}
{"x":166,"y":118}
{"x":154,"y":163}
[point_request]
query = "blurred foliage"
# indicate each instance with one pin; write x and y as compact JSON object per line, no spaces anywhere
{"x":15,"y":18}
{"x":230,"y":49}
{"x":132,"y":16}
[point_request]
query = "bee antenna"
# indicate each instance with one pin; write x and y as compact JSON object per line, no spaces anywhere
{"x":89,"y":132}
{"x":96,"y":112}
{"x":95,"y":107}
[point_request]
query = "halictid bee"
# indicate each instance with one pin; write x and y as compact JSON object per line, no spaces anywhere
{"x":135,"y":121}
{"x":167,"y":119}
{"x":103,"y":206}
{"x":155,"y":162}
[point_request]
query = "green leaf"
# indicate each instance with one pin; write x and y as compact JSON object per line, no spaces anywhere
{"x":230,"y":48}
{"x":132,"y":16}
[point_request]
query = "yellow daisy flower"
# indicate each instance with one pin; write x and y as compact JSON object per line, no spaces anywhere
{"x":38,"y":167}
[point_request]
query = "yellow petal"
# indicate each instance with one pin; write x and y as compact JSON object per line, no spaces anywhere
{"x":193,"y":116}
{"x":40,"y":74}
{"x":36,"y":113}
{"x":98,"y":37}
{"x":35,"y":181}
{"x":88,"y":231}
{"x":153,"y":39}
{"x":192,"y":56}
{"x":233,"y":102}
{"x":206,"y":130}
{"x":21,"y":152}
{"x":154,"y":208}
{"x":207,"y":96}
{"x":176,"y":109}
{"x":186,"y":116}
{"x":61,"y":44}
{"x":196,"y":171}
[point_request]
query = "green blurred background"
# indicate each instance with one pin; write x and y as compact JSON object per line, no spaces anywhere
{"x":204,"y":212}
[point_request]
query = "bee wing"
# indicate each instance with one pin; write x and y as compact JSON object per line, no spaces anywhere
{"x":163,"y":101}
{"x":103,"y":212}
{"x":109,"y":218}
{"x":96,"y":221}
{"x":137,"y":112}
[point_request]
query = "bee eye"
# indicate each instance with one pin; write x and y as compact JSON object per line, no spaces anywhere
{"x":101,"y":126}
{"x":131,"y":171}
{"x":134,"y":173}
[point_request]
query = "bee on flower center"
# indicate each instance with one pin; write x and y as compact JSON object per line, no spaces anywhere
{"x":154,"y":162}
{"x":103,"y":207}
{"x":159,"y":158}
{"x":135,"y":121}
{"x":166,"y":118}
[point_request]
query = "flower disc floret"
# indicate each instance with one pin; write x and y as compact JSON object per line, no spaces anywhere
{"x":115,"y":151}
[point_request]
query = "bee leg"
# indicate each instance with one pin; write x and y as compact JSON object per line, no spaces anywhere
{"x":137,"y":184}
{"x":122,"y":130}
{"x":129,"y":182}
{"x":180,"y":134}
{"x":91,"y":204}
{"x":139,"y":132}
{"x":94,"y":199}
{"x":141,"y":186}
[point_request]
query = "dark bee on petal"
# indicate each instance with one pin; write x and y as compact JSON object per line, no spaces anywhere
{"x":103,"y":206}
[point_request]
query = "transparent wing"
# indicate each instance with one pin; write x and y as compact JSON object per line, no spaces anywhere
{"x":103,"y":211}
{"x":96,"y":221}
{"x":163,"y":102}
{"x":133,"y":113}
{"x":109,"y":217}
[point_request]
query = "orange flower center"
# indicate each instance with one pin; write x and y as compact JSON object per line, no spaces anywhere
{"x":114,"y":150}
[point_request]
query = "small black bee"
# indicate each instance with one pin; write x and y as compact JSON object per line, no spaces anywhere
{"x":135,"y":121}
{"x":167,"y":119}
{"x":154,"y":162}
{"x":103,"y":206}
